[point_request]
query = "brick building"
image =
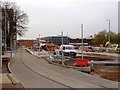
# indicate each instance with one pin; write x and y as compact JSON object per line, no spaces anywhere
{"x":26,"y":43}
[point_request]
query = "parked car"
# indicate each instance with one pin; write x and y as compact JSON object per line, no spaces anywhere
{"x":68,"y":50}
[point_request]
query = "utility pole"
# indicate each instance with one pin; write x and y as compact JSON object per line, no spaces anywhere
{"x":62,"y":46}
{"x":82,"y":38}
{"x":5,"y":27}
{"x":109,"y":31}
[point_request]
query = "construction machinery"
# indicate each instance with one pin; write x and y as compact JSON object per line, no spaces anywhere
{"x":105,"y":43}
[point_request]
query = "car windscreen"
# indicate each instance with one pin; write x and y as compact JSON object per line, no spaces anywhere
{"x":69,"y":48}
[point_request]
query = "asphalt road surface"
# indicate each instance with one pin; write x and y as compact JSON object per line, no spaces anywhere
{"x":37,"y":73}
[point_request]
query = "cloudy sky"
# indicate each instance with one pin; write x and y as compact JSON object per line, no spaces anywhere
{"x":50,"y":17}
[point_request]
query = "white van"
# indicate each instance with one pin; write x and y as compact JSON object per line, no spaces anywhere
{"x":68,"y":50}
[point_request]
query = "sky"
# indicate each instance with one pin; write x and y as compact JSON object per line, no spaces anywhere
{"x":50,"y":17}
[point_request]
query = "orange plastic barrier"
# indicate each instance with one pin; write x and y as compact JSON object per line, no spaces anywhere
{"x":81,"y":63}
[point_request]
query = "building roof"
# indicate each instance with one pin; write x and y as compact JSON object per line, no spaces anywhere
{"x":56,"y":37}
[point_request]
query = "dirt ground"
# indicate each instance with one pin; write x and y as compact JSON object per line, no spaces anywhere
{"x":7,"y":86}
{"x":107,"y":72}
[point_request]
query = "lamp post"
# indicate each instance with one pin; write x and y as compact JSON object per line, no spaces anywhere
{"x":39,"y":44}
{"x":82,"y":38}
{"x":109,"y":31}
{"x":62,"y":46}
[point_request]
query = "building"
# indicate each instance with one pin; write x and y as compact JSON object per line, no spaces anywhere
{"x":78,"y":42}
{"x":26,"y":43}
{"x":56,"y":40}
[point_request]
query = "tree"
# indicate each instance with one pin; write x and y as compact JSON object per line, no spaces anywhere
{"x":113,"y":37}
{"x":103,"y":35}
{"x":99,"y":38}
{"x":20,"y":18}
{"x":119,"y":38}
{"x":14,"y":21}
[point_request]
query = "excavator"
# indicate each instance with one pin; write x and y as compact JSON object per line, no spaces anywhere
{"x":105,"y":43}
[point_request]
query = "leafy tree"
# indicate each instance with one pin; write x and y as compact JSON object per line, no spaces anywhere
{"x":104,"y":35}
{"x":113,"y":37}
{"x":119,"y":38}
{"x":99,"y":38}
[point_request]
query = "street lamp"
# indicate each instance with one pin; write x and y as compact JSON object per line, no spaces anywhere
{"x":109,"y":31}
{"x":39,"y":44}
{"x":82,"y":38}
{"x":62,"y":46}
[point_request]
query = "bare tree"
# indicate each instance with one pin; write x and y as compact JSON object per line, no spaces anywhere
{"x":20,"y":18}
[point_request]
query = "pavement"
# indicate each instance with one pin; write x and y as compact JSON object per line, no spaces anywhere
{"x":7,"y":54}
{"x":38,"y":73}
{"x":5,"y":81}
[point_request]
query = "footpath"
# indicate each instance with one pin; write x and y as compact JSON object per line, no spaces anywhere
{"x":8,"y":80}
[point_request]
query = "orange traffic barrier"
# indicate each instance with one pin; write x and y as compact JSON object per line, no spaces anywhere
{"x":81,"y":63}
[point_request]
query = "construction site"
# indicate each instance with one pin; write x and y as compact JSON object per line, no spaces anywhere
{"x":59,"y":52}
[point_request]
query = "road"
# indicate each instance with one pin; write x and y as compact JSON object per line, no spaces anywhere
{"x":37,"y":73}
